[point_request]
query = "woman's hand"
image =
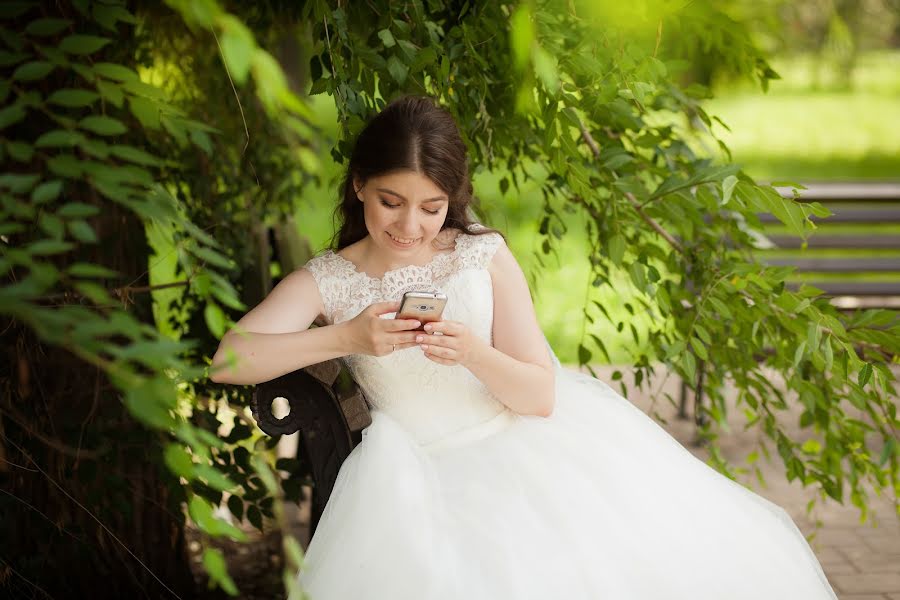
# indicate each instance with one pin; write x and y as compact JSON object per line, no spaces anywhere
{"x":456,"y":345}
{"x":370,"y":334}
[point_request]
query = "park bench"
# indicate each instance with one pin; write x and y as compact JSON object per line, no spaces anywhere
{"x":328,"y":409}
{"x":854,"y":256}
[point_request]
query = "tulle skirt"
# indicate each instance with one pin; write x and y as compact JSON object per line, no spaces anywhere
{"x":596,"y":501}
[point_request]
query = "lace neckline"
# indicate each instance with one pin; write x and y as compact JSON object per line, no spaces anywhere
{"x":435,"y":260}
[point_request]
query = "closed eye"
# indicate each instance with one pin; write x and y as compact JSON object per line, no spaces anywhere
{"x":389,"y":205}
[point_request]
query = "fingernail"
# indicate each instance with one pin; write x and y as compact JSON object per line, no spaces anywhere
{"x":416,"y":324}
{"x":428,"y":328}
{"x":423,"y":346}
{"x":419,"y":338}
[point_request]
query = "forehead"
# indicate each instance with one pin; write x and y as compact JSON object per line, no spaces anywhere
{"x":409,"y":184}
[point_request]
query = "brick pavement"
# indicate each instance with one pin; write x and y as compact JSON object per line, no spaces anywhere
{"x":861,"y":560}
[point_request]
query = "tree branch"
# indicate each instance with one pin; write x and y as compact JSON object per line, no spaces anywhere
{"x":595,"y":150}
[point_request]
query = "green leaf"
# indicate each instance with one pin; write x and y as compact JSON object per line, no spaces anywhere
{"x":201,"y":512}
{"x":46,"y":27}
{"x":236,"y":507}
{"x":255,"y":517}
{"x":32,"y":71}
{"x":728,"y":188}
{"x":212,"y":257}
{"x":215,"y":319}
{"x":73,"y":98}
{"x":20,"y":151}
{"x":584,"y":355}
{"x":77,"y":210}
{"x":214,"y":478}
{"x":546,"y":69}
{"x":109,"y":15}
{"x":387,"y":38}
{"x":397,"y":69}
{"x":82,"y":232}
{"x":46,"y":191}
{"x":65,"y":165}
{"x":83,"y":44}
{"x":145,"y":110}
{"x":521,"y":35}
{"x":238,"y":46}
{"x":149,"y":402}
{"x":699,"y":348}
{"x":799,"y":353}
{"x":865,"y":374}
{"x":811,"y":446}
{"x":102,"y":125}
{"x":616,"y":249}
{"x":18,"y":183}
{"x":689,"y":364}
{"x":115,"y":72}
{"x":135,"y":155}
{"x":59,"y":138}
{"x":111,"y":92}
{"x":11,"y":115}
{"x":49,"y":247}
{"x":214,"y":563}
{"x":179,"y":461}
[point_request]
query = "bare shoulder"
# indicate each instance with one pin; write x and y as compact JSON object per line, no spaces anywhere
{"x":503,"y":261}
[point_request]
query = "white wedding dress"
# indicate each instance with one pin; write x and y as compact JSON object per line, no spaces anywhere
{"x":450,"y":495}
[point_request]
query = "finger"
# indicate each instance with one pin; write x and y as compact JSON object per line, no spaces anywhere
{"x":444,"y":327}
{"x":381,"y":308}
{"x":401,"y":324}
{"x":439,"y":351}
{"x":443,"y":341}
{"x":439,"y":360}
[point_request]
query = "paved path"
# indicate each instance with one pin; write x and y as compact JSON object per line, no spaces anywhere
{"x":862,"y":561}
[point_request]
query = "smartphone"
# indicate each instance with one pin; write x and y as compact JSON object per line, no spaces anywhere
{"x":425,"y":307}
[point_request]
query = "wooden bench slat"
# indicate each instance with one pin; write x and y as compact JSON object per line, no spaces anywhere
{"x":838,"y":265}
{"x":847,"y":192}
{"x":874,"y":241}
{"x":854,"y":288}
{"x":848,"y":215}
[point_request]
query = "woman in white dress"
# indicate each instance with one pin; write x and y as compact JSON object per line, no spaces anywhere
{"x":489,"y":472}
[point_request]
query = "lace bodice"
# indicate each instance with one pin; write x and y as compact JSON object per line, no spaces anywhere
{"x":429,"y":399}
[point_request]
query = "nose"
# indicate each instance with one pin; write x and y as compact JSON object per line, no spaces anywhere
{"x":408,"y":224}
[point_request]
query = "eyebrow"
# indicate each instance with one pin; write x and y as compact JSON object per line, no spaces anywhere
{"x":393,"y":193}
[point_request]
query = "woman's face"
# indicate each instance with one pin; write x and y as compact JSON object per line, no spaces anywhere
{"x":404,"y":211}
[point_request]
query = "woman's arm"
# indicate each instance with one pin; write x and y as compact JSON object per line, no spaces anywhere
{"x":517,"y":369}
{"x":274,"y":339}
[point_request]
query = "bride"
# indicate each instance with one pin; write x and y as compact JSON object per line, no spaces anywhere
{"x":489,"y":472}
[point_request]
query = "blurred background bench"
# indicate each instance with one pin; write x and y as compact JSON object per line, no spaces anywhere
{"x":853,"y":256}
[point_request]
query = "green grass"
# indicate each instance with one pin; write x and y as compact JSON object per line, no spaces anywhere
{"x":808,"y":127}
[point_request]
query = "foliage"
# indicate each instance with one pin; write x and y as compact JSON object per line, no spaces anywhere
{"x":575,"y":91}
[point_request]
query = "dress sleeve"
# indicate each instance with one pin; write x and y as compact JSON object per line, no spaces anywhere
{"x":323,"y":269}
{"x":477,"y":251}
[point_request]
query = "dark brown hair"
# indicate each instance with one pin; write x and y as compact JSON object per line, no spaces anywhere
{"x":411,"y":133}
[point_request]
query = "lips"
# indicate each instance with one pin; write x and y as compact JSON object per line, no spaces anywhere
{"x":404,"y":242}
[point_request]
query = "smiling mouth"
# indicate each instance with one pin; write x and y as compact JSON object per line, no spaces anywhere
{"x":404,"y":241}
